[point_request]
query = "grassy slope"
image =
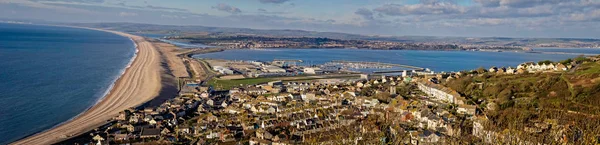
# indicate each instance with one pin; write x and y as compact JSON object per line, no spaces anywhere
{"x":571,"y":98}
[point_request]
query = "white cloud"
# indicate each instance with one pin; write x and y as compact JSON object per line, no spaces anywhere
{"x":439,"y":17}
{"x":127,"y":14}
{"x":47,"y":6}
{"x":173,"y":16}
{"x":593,"y":15}
{"x":439,"y":8}
{"x":487,"y":21}
{"x":227,"y":8}
{"x":274,"y":1}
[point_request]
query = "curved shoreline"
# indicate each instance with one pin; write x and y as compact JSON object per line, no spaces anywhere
{"x":112,"y":85}
{"x":100,"y":98}
{"x":139,"y":83}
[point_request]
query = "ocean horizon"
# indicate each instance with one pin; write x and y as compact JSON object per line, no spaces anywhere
{"x":51,"y":74}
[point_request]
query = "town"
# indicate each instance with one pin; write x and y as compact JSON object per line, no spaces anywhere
{"x":283,"y":72}
{"x":238,"y":41}
{"x":408,"y":108}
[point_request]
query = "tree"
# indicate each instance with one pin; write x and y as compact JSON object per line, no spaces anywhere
{"x":545,"y":62}
{"x":567,"y":61}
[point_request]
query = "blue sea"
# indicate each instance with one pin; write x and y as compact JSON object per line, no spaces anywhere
{"x":435,"y":60}
{"x":50,"y":74}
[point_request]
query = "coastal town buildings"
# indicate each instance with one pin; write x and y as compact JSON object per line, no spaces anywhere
{"x":536,"y":67}
{"x":438,"y":92}
{"x":314,"y":112}
{"x":370,"y":109}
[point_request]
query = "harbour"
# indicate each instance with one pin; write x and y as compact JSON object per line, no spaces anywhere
{"x":437,"y":61}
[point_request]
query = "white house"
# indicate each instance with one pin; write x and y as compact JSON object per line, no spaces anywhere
{"x":510,"y":70}
{"x":437,"y":92}
{"x":493,"y":69}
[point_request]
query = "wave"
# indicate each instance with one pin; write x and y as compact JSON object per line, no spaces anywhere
{"x":122,"y":72}
{"x":106,"y":92}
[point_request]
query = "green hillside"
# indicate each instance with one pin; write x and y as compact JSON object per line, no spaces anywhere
{"x":569,"y":100}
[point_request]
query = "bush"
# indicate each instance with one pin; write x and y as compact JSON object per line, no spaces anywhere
{"x":545,"y":62}
{"x":567,"y":61}
{"x":581,"y":59}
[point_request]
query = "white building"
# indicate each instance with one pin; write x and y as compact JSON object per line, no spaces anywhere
{"x":223,"y":70}
{"x":365,"y":76}
{"x":273,"y":69}
{"x":313,"y":70}
{"x":510,"y":70}
{"x":534,"y":67}
{"x":437,"y":92}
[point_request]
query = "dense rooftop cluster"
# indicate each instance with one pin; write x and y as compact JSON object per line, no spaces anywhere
{"x":352,"y":111}
{"x":408,"y":109}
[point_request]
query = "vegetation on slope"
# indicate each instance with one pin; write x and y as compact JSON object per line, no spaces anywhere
{"x":513,"y":103}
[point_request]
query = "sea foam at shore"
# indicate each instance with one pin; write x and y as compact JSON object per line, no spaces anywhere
{"x":51,"y":74}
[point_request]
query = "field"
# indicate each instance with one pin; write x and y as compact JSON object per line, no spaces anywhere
{"x":228,"y":84}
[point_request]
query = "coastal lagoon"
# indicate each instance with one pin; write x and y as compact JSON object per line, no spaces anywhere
{"x":435,"y":60}
{"x":51,"y":74}
{"x":159,"y":37}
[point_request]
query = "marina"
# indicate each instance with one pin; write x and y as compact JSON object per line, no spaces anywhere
{"x":392,"y":60}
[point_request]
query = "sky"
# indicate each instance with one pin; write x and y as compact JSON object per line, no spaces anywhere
{"x":468,"y":18}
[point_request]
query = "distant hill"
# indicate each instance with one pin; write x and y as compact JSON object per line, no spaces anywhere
{"x":173,"y":28}
{"x":468,"y":41}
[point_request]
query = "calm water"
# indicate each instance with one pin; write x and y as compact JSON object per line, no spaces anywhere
{"x":435,"y":60}
{"x":176,"y":43}
{"x":588,"y":51}
{"x":51,"y":74}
